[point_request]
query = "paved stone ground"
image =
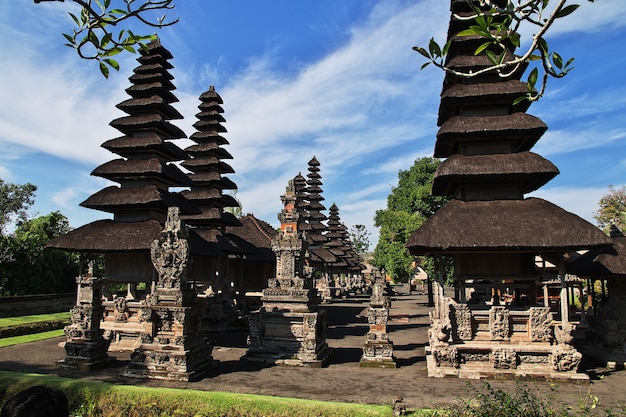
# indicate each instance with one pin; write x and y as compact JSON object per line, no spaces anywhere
{"x":343,"y":379}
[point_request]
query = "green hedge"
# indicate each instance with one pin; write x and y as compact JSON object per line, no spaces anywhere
{"x":99,"y":399}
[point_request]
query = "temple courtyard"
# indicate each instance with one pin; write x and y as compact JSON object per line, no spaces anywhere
{"x":343,"y":379}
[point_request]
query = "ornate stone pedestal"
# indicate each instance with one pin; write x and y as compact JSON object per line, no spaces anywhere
{"x":288,"y":329}
{"x":378,"y":349}
{"x":172,"y":346}
{"x":85,"y":347}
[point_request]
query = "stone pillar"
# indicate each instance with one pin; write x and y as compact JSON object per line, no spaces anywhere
{"x":86,"y":348}
{"x":172,"y":346}
{"x":564,"y":298}
{"x":378,"y":349}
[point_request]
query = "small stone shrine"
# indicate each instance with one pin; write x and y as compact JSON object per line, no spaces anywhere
{"x":86,"y":348}
{"x":172,"y":346}
{"x":289,"y":329}
{"x":378,"y":349}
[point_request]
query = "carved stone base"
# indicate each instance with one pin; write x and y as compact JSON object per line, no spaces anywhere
{"x":476,"y":360}
{"x":288,"y":338}
{"x":154,"y":361}
{"x":378,"y":354}
{"x":86,"y":356}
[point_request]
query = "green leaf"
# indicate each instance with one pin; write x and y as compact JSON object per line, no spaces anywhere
{"x":93,"y":38}
{"x":519,"y":100}
{"x":434,"y":48}
{"x":515,"y":39}
{"x":425,"y":65}
{"x":492,"y":57}
{"x":113,"y":63}
{"x":422,"y":51}
{"x":75,"y":19}
{"x":106,"y":39}
{"x":532,"y":78}
{"x":569,"y":62}
{"x":118,"y":11}
{"x":482,"y":48}
{"x":468,"y":32}
{"x":446,"y":48}
{"x":558,"y":61}
{"x":567,"y":10}
{"x":113,"y":51}
{"x":69,"y":38}
{"x":104,"y":69}
{"x":107,"y":3}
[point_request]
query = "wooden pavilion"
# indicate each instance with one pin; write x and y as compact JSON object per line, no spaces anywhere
{"x":491,"y":231}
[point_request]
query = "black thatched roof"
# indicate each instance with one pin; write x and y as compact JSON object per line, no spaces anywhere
{"x":108,"y":236}
{"x":503,"y":225}
{"x":119,"y":170}
{"x":521,"y":129}
{"x":114,"y":199}
{"x":602,"y":262}
{"x":152,"y":143}
{"x":502,"y":93}
{"x":527,"y":169}
{"x":254,"y":238}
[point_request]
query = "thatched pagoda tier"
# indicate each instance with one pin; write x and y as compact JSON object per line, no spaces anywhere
{"x":531,"y":224}
{"x":108,"y":236}
{"x":151,"y":169}
{"x":116,"y":200}
{"x":207,"y":162}
{"x":151,"y":122}
{"x":212,"y":147}
{"x":209,"y":135}
{"x":524,"y":172}
{"x":461,"y":98}
{"x":510,"y":133}
{"x":213,"y":179}
{"x":154,"y":103}
{"x":149,"y":143}
{"x":104,"y":236}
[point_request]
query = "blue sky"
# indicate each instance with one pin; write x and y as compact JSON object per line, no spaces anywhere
{"x":332,"y":78}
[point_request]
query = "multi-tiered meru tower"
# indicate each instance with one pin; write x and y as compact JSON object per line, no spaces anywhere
{"x":496,"y":323}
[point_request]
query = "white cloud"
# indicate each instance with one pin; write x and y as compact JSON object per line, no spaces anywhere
{"x":581,"y":201}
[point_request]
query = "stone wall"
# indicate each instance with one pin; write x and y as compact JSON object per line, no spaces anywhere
{"x":36,"y":304}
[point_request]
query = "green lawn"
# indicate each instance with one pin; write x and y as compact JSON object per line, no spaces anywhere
{"x":91,"y":399}
{"x":19,"y":320}
{"x":16,"y":340}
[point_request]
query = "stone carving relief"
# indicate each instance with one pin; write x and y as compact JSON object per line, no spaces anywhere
{"x":170,"y":253}
{"x":565,"y":358}
{"x":500,"y":323}
{"x":462,"y":323}
{"x":540,"y":322}
{"x":502,"y":358}
{"x":121,"y":309}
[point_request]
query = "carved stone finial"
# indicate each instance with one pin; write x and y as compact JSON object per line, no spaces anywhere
{"x":170,"y":252}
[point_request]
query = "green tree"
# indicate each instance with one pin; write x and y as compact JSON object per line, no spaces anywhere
{"x":408,"y":206}
{"x":359,"y":236}
{"x":15,"y":200}
{"x":500,"y":27}
{"x":97,"y":34}
{"x":30,"y":268}
{"x":612,"y":209}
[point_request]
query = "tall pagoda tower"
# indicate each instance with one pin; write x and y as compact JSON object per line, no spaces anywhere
{"x":142,"y":206}
{"x":315,"y":227}
{"x":208,"y":168}
{"x":496,"y":323}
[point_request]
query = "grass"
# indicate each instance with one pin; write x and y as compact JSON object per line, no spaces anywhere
{"x":22,"y":320}
{"x":16,"y":340}
{"x":90,"y":399}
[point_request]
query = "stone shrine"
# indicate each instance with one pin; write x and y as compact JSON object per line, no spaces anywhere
{"x":289,"y":329}
{"x":378,"y":349}
{"x":172,"y":346}
{"x":86,"y":347}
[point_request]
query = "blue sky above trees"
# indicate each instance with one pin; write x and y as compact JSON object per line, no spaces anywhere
{"x":332,"y":78}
